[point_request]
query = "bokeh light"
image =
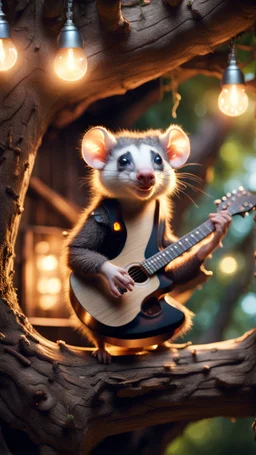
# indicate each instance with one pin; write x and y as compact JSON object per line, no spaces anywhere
{"x":228,"y":265}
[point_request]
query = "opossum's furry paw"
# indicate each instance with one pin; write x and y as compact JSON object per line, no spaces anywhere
{"x":102,"y":355}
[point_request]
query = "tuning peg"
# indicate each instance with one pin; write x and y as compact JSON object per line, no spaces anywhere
{"x":224,"y":198}
{"x":234,"y":191}
{"x":241,"y":188}
{"x":228,"y":195}
{"x":217,"y":201}
{"x":246,"y":213}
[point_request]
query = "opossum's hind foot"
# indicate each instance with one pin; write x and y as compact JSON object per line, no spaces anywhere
{"x":102,"y":355}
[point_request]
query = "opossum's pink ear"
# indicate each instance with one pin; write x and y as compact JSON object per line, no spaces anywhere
{"x":96,"y":145}
{"x":176,"y":144}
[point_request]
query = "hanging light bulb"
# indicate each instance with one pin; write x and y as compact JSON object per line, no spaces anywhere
{"x":70,"y":62}
{"x":233,"y":100}
{"x":8,"y":52}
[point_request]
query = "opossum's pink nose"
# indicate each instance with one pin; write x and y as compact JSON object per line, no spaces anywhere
{"x":146,"y":177}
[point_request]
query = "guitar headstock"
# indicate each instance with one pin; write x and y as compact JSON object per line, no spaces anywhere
{"x":239,"y":202}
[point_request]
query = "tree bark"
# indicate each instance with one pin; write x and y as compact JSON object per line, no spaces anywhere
{"x":66,"y":401}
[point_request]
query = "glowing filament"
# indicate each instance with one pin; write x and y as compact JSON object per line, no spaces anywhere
{"x":70,"y":63}
{"x":8,"y":54}
{"x":233,"y":100}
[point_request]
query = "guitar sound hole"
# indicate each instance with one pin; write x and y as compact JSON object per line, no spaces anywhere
{"x":151,"y":307}
{"x":137,"y":274}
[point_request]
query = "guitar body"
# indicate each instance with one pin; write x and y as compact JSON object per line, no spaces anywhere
{"x":138,"y":318}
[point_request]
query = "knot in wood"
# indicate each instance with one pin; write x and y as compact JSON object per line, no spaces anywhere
{"x":167,"y":367}
{"x":22,"y":318}
{"x":206,"y":369}
{"x":176,"y":358}
{"x":194,"y":353}
{"x":20,"y":210}
{"x":39,"y":395}
{"x":24,"y":339}
{"x":43,"y":399}
{"x":62,"y":345}
{"x":56,"y":367}
{"x":10,"y":191}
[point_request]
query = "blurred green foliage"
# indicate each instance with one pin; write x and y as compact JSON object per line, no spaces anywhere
{"x":236,"y":165}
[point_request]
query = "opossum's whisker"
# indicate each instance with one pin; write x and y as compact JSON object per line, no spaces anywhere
{"x":187,"y":195}
{"x":191,"y":164}
{"x":190,"y":176}
{"x":195,"y":188}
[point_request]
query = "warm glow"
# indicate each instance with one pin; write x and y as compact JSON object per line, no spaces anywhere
{"x":228,"y":265}
{"x":233,"y":100}
{"x":49,"y":286}
{"x":70,"y":64}
{"x":47,"y":263}
{"x":8,"y":54}
{"x":47,"y":302}
{"x":117,"y":226}
{"x":42,"y":247}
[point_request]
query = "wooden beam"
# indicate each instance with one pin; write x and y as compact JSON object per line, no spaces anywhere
{"x":64,"y":207}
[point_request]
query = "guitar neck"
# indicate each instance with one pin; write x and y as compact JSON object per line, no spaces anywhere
{"x":176,"y":249}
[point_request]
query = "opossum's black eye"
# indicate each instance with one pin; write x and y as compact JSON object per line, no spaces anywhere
{"x":158,"y":160}
{"x":124,"y":160}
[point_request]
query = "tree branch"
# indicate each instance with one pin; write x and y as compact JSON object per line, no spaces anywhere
{"x":156,"y":45}
{"x":54,"y":9}
{"x":111,"y":18}
{"x":212,"y":65}
{"x":87,"y":401}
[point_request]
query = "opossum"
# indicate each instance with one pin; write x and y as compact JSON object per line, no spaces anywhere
{"x":135,"y":168}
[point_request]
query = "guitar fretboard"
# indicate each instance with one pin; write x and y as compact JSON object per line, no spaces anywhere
{"x":164,"y":257}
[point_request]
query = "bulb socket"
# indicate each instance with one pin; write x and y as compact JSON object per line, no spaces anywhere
{"x":70,"y":37}
{"x":4,"y":29}
{"x":232,"y":74}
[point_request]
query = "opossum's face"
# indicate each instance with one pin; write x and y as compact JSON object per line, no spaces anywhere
{"x":137,"y":171}
{"x":133,"y":165}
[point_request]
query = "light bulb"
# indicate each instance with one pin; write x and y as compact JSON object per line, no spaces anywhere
{"x":8,"y":54}
{"x":70,"y":63}
{"x":233,"y":100}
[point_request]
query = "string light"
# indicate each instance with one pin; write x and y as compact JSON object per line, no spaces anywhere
{"x":8,"y":52}
{"x":70,"y":62}
{"x":233,"y":100}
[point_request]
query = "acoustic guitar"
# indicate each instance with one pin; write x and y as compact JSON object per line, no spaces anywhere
{"x":143,"y":317}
